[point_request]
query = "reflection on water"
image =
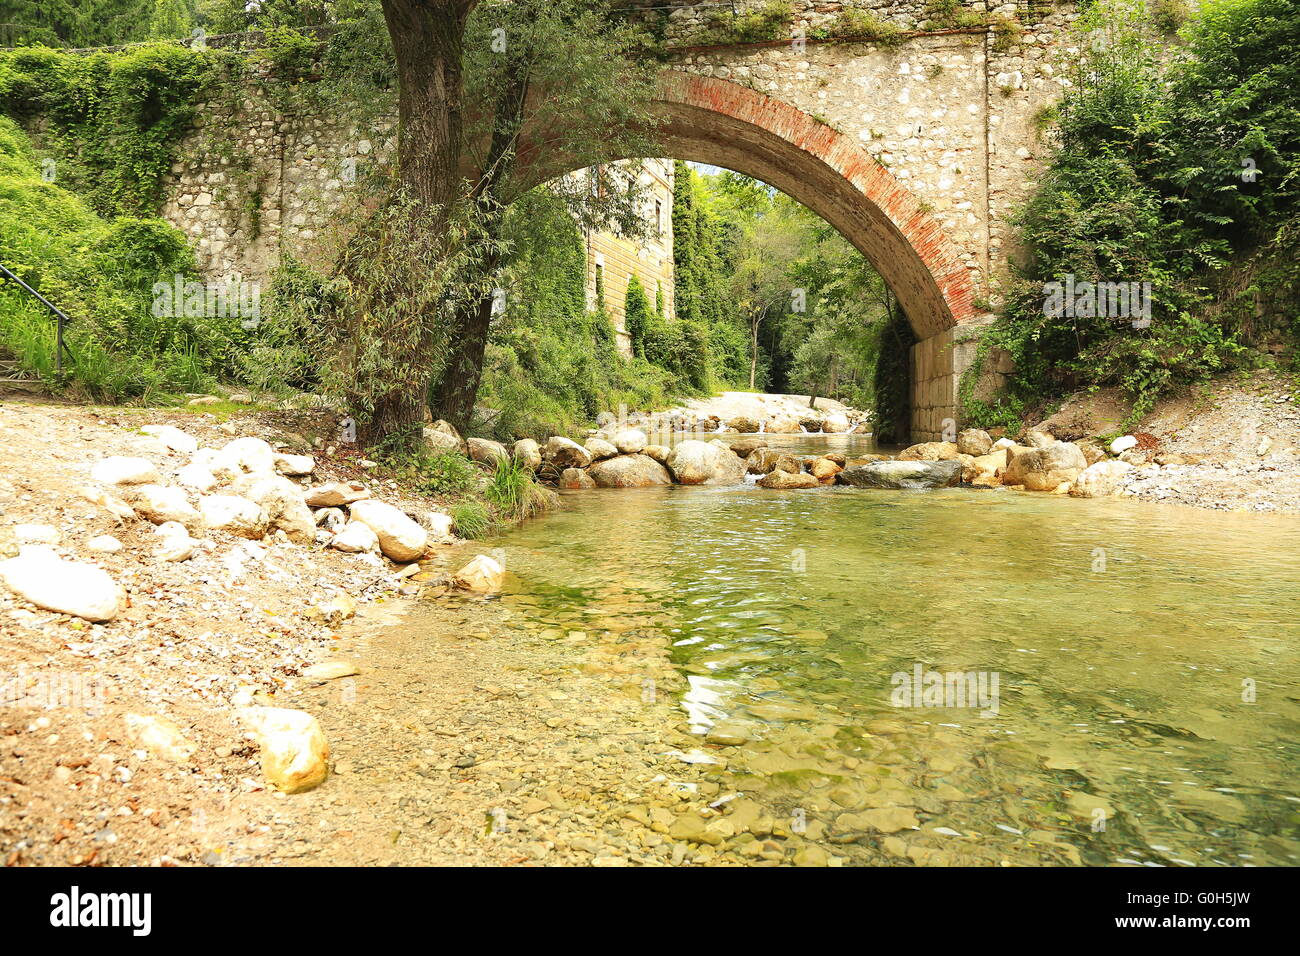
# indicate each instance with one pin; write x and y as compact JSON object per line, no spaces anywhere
{"x":1145,"y":659}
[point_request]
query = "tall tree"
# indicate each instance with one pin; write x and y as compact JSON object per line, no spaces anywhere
{"x":553,"y":86}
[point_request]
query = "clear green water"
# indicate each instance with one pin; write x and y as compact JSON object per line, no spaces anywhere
{"x":1121,"y":733}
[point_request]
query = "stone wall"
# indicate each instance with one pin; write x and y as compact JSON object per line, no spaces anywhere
{"x":951,"y":117}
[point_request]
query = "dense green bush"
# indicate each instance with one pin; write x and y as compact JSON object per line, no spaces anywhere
{"x":111,"y":119}
{"x":1177,"y":171}
{"x":102,"y":272}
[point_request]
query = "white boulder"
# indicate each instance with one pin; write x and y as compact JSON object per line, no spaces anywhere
{"x":172,"y":437}
{"x":40,"y":576}
{"x":355,"y":538}
{"x":484,"y":575}
{"x":235,"y":514}
{"x":400,"y":538}
{"x":295,"y":753}
{"x":122,"y":470}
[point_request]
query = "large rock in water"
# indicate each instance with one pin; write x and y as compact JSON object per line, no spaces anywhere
{"x":629,"y":471}
{"x":561,"y":453}
{"x":787,"y":479}
{"x":761,"y":461}
{"x":743,"y":424}
{"x":630,"y":441}
{"x":783,"y":425}
{"x":575,"y":479}
{"x":400,"y":538}
{"x":929,"y":451}
{"x":902,"y":474}
{"x":835,"y":422}
{"x":40,"y":576}
{"x":599,"y":449}
{"x":1044,"y":468}
{"x":484,"y":575}
{"x":705,"y":463}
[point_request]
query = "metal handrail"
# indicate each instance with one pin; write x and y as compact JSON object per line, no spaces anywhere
{"x":60,"y":319}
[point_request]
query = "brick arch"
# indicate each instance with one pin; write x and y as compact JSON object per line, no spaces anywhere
{"x":708,"y":120}
{"x":723,"y":123}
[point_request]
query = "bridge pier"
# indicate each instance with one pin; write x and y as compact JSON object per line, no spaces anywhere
{"x":937,"y":365}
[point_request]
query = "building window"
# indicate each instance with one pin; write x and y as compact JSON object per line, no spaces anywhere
{"x":659,"y":218}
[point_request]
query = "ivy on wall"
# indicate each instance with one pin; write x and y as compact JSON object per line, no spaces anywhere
{"x":110,"y":121}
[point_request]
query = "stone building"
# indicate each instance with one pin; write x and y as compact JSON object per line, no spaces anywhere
{"x":612,"y":258}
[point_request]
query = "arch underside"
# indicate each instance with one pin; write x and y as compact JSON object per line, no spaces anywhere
{"x":694,"y":134}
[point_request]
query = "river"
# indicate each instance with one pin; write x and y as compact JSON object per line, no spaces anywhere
{"x":1131,"y":667}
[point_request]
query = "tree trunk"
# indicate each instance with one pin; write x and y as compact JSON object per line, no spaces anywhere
{"x":428,"y":37}
{"x":753,"y":353}
{"x":454,"y":397}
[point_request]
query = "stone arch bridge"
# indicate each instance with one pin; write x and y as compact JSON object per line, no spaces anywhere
{"x":916,"y":152}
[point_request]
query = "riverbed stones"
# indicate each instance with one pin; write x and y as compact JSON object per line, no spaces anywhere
{"x":294,"y":465}
{"x":902,"y":475}
{"x":630,"y":441}
{"x":335,"y":494}
{"x":158,"y":503}
{"x":355,"y":538}
{"x":1039,"y":439}
{"x":283,"y":503}
{"x":788,"y":480}
{"x":974,"y":442}
{"x":575,"y":479}
{"x":242,"y":456}
{"x":400,"y":538}
{"x":600,"y":449}
{"x":929,"y":451}
{"x":1122,"y":444}
{"x":295,"y":753}
{"x":528,"y":453}
{"x":485,"y":451}
{"x":483,"y":575}
{"x":104,"y":544}
{"x":172,"y":438}
{"x":658,"y":452}
{"x":125,"y":470}
{"x":560,"y":452}
{"x":1101,"y":480}
{"x":175,"y":543}
{"x":159,"y":736}
{"x":629,"y":471}
{"x":197,"y":476}
{"x":1043,"y":468}
{"x":835,"y":423}
{"x":234,"y":514}
{"x":41,"y":577}
{"x":743,"y":424}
